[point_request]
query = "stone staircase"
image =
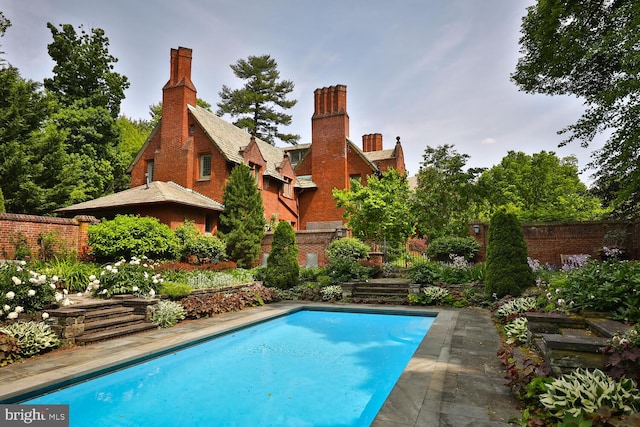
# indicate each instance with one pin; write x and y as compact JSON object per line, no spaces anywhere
{"x":93,"y":320}
{"x":388,"y":287}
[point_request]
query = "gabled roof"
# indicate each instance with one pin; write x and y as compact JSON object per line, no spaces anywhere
{"x":363,"y":155}
{"x":157,"y":192}
{"x":376,"y":156}
{"x":231,"y":140}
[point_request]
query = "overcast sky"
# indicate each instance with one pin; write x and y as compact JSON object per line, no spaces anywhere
{"x":433,"y":72}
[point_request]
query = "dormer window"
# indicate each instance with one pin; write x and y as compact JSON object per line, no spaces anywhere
{"x":287,"y":187}
{"x":205,"y":166}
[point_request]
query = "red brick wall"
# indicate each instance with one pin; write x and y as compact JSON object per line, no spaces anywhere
{"x":547,"y":241}
{"x":71,"y":232}
{"x":308,"y":242}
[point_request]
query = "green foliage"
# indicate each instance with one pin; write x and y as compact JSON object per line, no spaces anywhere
{"x":445,"y":197}
{"x":430,"y":272}
{"x":378,"y":212}
{"x":205,"y":249}
{"x":508,"y":272}
{"x":606,"y":286}
{"x":33,"y":337}
{"x":136,"y":277}
{"x":310,"y":274}
{"x":584,"y":392}
{"x":25,"y":290}
{"x":133,"y":134}
{"x":624,"y":354}
{"x":588,"y":50}
{"x":434,"y":294}
{"x":283,"y":270}
{"x":242,"y":222}
{"x":331,"y":292}
{"x":254,"y":105}
{"x":344,"y":257}
{"x":515,"y":308}
{"x":2,"y":208}
{"x":219,"y":279}
{"x":443,"y":247}
{"x":424,"y":273}
{"x":516,"y":330}
{"x":175,"y":290}
{"x":538,"y":187}
{"x":9,"y":349}
{"x":71,"y":274}
{"x":20,"y":243}
{"x":167,"y":313}
{"x":128,"y":236}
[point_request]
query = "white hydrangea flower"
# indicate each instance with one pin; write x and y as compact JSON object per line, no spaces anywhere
{"x":31,"y":292}
{"x":12,"y":315}
{"x":19,"y":309}
{"x":6,"y":307}
{"x":135,"y":289}
{"x":58,"y":296}
{"x":16,"y":280}
{"x":55,"y":278}
{"x":10,"y":295}
{"x":45,"y":315}
{"x":152,"y":293}
{"x":92,"y":277}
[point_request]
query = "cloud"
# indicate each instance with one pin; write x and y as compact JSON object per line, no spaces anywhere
{"x":488,"y":141}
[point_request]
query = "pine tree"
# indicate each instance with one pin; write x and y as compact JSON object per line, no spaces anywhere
{"x":254,"y":104}
{"x":242,"y":222}
{"x":283,"y":269}
{"x":508,"y":271}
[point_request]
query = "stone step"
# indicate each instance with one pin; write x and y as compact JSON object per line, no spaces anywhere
{"x":606,"y":327}
{"x":108,"y":312}
{"x":109,"y":322}
{"x":114,"y":332}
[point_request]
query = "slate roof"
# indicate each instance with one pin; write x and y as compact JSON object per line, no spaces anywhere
{"x":232,"y":140}
{"x":158,"y":192}
{"x":376,"y":156}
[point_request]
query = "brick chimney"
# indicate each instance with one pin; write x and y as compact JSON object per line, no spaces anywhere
{"x":174,"y":161}
{"x":372,"y":142}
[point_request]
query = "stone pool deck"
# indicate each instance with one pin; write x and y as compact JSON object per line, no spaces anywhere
{"x":453,"y":379}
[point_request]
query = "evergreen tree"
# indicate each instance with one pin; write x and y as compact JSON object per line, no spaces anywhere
{"x":283,"y":269}
{"x":508,"y":271}
{"x":242,"y":222}
{"x":2,"y":209}
{"x":254,"y":104}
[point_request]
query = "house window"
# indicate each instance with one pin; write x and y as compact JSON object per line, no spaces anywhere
{"x":192,"y":129}
{"x":255,"y":171}
{"x":149,"y":174}
{"x":208,"y":223}
{"x":286,"y":187}
{"x":205,"y":166}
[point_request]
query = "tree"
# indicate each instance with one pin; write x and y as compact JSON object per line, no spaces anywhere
{"x":378,"y":212}
{"x":155,"y":110}
{"x":590,"y":49}
{"x":88,"y":94}
{"x":508,"y":271}
{"x":5,"y":23}
{"x":445,"y":197}
{"x":254,"y":104}
{"x":283,"y":270}
{"x":538,"y":187}
{"x":242,"y":222}
{"x":133,"y":134}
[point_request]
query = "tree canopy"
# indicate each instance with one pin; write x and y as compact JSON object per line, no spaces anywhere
{"x":537,"y":187}
{"x":445,"y":198}
{"x":378,"y":212}
{"x":254,"y":105}
{"x":590,"y":50}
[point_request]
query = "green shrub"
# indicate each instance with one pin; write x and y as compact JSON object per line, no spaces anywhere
{"x":434,"y":294}
{"x":423,"y":272}
{"x":331,"y":292}
{"x":508,"y":272}
{"x":167,"y":313}
{"x":515,"y":308}
{"x":135,"y":277}
{"x":585,"y":392}
{"x":71,"y":273}
{"x":128,"y":236}
{"x":310,"y":274}
{"x":175,"y":290}
{"x":442,"y":247}
{"x":202,"y":247}
{"x":33,"y":337}
{"x":20,"y":244}
{"x":344,"y":256}
{"x":283,"y":270}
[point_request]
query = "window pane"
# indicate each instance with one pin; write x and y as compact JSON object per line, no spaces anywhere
{"x":205,"y":165}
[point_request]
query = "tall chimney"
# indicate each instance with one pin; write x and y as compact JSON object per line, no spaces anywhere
{"x":372,"y":142}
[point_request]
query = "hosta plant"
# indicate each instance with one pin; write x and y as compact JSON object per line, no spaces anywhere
{"x":167,"y":313}
{"x":516,"y":330}
{"x":331,"y":292}
{"x":33,"y":337}
{"x":515,"y":308}
{"x":434,"y":294}
{"x":584,"y":392}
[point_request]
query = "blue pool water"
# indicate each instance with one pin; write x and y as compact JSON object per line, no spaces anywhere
{"x":309,"y":368}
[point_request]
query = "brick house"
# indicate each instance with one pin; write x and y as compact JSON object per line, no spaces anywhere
{"x":181,"y":170}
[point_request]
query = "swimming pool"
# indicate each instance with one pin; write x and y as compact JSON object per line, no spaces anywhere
{"x":307,"y":368}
